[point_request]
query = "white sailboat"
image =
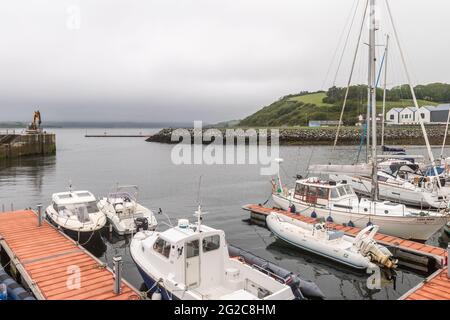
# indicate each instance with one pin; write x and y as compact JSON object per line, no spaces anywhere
{"x":381,"y":185}
{"x":337,"y":202}
{"x":191,"y":262}
{"x":361,"y":252}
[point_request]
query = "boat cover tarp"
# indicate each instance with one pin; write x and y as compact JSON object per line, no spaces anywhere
{"x":301,"y":288}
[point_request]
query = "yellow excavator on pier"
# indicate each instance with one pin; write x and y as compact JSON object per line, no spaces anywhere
{"x":35,"y":126}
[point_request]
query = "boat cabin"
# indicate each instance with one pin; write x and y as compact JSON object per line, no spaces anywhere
{"x":315,"y":191}
{"x":197,"y":262}
{"x":75,"y":203}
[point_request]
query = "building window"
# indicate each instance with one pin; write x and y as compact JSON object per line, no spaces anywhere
{"x":392,"y":117}
{"x":422,"y":115}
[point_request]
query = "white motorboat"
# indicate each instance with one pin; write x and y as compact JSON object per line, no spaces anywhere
{"x":336,"y":201}
{"x":124,"y":213}
{"x":191,"y":262}
{"x":76,"y":213}
{"x":423,"y":194}
{"x":361,"y":252}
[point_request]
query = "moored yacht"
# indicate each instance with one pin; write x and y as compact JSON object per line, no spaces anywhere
{"x":336,"y":201}
{"x":76,"y":213}
{"x":424,"y":193}
{"x":191,"y":262}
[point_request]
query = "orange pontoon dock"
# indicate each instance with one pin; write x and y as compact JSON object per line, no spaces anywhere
{"x":436,"y":287}
{"x":49,"y":262}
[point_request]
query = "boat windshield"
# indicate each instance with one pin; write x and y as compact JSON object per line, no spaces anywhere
{"x":75,"y":208}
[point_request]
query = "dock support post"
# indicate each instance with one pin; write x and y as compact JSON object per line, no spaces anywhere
{"x":117,"y":262}
{"x":12,"y":207}
{"x":39,"y":209}
{"x":448,"y":258}
{"x":3,"y":207}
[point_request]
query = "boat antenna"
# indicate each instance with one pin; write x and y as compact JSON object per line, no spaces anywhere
{"x":199,"y":213}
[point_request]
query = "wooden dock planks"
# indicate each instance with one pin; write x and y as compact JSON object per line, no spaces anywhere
{"x":437,"y":287}
{"x":50,"y":259}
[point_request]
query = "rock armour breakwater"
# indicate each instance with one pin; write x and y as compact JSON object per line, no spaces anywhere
{"x":411,"y":135}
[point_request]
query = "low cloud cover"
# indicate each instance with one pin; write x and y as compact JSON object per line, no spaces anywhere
{"x":181,"y":60}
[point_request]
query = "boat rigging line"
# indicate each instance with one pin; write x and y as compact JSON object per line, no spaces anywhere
{"x":351,"y":76}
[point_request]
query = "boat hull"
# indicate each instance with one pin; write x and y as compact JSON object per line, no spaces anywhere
{"x":295,"y":237}
{"x":151,"y":285}
{"x":406,"y":227}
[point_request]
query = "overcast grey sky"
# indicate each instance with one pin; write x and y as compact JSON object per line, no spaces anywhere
{"x":181,"y":60}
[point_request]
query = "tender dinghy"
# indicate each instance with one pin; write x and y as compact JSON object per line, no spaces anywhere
{"x":125,"y":214}
{"x":76,"y":213}
{"x":191,"y":262}
{"x":361,"y":252}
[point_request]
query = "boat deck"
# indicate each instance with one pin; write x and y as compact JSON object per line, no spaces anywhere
{"x":49,"y":261}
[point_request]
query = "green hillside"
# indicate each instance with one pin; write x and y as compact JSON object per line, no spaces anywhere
{"x":298,"y":110}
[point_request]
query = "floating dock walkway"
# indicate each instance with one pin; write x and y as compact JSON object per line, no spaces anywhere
{"x":409,"y":253}
{"x":50,"y":262}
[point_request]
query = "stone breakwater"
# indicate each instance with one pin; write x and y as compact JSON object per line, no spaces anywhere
{"x":325,"y":136}
{"x":14,"y":145}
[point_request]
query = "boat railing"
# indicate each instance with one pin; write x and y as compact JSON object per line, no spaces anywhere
{"x":269,"y":273}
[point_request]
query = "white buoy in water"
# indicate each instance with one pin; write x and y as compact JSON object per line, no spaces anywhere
{"x":156,"y":295}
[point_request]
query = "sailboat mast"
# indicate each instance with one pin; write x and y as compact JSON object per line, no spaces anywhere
{"x":373,"y":99}
{"x":384,"y":88}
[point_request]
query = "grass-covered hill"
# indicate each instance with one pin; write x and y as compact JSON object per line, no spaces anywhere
{"x":299,"y":109}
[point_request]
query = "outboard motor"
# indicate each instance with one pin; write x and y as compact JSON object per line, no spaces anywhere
{"x":141,"y":224}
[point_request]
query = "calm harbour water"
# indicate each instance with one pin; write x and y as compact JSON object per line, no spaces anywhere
{"x":98,"y":164}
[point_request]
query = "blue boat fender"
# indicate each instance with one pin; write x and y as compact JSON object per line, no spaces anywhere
{"x":13,"y":289}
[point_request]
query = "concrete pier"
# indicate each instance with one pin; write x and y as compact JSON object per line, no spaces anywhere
{"x":15,"y":145}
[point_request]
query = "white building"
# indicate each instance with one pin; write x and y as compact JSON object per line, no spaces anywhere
{"x":393,"y":116}
{"x":408,"y":116}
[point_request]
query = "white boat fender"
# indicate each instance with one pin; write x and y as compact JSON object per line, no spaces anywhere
{"x":157,"y":295}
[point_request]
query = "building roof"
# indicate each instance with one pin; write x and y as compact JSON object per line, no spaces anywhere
{"x":396,"y":110}
{"x":441,"y":107}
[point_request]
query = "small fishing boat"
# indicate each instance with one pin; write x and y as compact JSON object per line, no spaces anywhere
{"x":337,"y":201}
{"x":76,"y":213}
{"x":361,"y":252}
{"x":191,"y":262}
{"x":124,"y":213}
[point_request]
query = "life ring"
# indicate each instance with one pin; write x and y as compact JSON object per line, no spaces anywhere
{"x":429,"y":185}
